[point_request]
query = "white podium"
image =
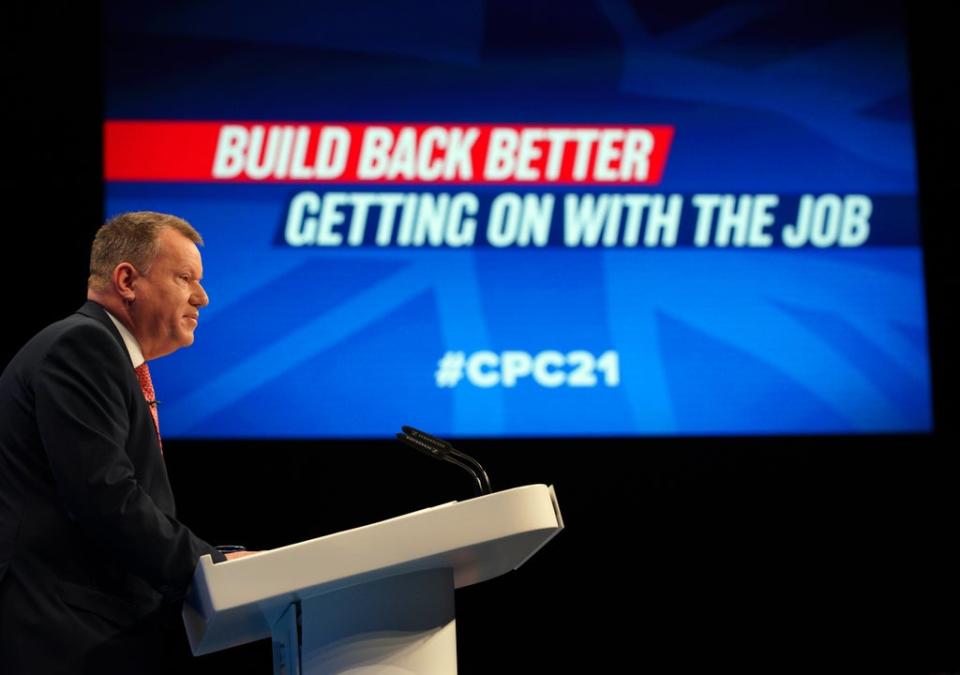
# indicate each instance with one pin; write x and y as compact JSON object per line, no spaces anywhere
{"x":375,"y":599}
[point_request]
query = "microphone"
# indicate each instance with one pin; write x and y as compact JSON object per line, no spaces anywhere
{"x":441,"y":449}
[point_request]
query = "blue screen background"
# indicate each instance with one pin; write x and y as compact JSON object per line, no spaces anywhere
{"x":345,"y":342}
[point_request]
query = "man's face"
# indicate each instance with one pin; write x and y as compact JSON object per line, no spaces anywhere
{"x":168,"y":299}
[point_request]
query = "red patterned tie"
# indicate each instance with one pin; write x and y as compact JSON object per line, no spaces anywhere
{"x":146,"y":386}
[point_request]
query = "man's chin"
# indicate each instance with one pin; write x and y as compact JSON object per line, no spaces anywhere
{"x":185,"y":339}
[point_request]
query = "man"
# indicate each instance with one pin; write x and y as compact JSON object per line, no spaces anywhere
{"x":93,"y":562}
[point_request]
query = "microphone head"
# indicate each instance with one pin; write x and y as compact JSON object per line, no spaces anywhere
{"x":418,"y":444}
{"x":425,"y":437}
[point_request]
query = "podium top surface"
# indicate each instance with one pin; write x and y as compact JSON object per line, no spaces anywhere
{"x":236,"y":601}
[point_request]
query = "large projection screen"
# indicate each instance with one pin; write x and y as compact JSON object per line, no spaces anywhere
{"x":530,"y":219}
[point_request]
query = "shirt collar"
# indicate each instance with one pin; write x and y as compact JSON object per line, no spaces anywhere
{"x":133,"y":347}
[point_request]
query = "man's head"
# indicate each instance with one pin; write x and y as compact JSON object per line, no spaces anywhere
{"x":145,"y":268}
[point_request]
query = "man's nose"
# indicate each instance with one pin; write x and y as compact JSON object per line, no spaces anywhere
{"x":200,"y":297}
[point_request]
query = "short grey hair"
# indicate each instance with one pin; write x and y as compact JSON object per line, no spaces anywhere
{"x":132,"y":237}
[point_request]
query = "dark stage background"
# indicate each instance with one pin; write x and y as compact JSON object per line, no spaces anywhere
{"x":680,"y":554}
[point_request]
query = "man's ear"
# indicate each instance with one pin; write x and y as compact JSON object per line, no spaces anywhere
{"x":124,"y":279}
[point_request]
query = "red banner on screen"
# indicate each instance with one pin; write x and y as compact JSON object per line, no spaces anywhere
{"x":151,"y":151}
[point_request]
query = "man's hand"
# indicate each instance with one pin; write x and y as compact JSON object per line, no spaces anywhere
{"x":240,"y":554}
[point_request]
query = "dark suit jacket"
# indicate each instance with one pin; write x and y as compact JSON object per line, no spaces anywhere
{"x":91,"y":552}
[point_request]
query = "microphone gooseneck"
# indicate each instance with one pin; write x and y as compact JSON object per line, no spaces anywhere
{"x":438,"y":448}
